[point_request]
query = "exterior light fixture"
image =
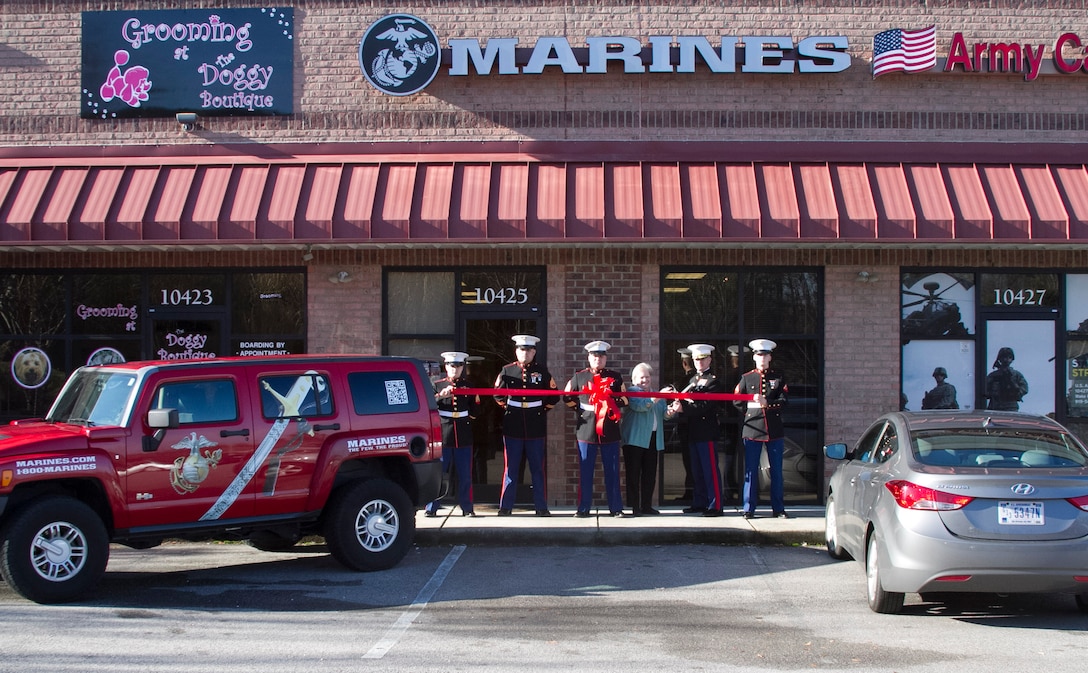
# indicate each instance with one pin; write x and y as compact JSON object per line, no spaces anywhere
{"x":187,"y":120}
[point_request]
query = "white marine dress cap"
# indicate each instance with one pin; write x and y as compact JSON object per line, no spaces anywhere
{"x":454,"y":358}
{"x":597,"y":347}
{"x":526,"y":340}
{"x":700,"y":350}
{"x":762,"y":345}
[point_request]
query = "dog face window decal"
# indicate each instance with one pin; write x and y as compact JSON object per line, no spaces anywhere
{"x":31,"y":368}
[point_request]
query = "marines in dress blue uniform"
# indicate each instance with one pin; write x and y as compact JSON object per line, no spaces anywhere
{"x":593,"y":439}
{"x":524,"y":423}
{"x":457,"y":413}
{"x":762,"y":427}
{"x":703,"y":434}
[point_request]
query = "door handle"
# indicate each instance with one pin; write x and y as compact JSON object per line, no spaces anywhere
{"x":327,"y":426}
{"x":244,"y":432}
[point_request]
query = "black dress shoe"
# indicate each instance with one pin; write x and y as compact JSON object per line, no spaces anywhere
{"x":430,"y":513}
{"x":651,"y":511}
{"x":468,"y":513}
{"x":615,"y":514}
{"x":712,"y":512}
{"x":581,"y":515}
{"x":749,"y":515}
{"x":543,"y":512}
{"x":694,"y":510}
{"x":780,"y":515}
{"x":504,"y":512}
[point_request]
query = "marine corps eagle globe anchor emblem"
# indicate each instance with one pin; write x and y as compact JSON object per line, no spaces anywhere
{"x":189,"y":471}
{"x":399,"y":54}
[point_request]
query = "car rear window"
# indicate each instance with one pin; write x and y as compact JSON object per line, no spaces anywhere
{"x":382,"y":392}
{"x":998,"y":449}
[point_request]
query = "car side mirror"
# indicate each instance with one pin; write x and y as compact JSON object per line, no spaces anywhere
{"x":161,"y":420}
{"x":835,"y":451}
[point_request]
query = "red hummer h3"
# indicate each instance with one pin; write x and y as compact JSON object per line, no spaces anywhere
{"x":265,"y":449}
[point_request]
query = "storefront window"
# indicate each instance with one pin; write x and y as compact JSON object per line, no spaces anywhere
{"x":1076,"y":345}
{"x":1019,"y":290}
{"x":52,"y":323}
{"x":428,"y":312}
{"x":699,"y":302}
{"x":993,"y":340}
{"x":419,"y":302}
{"x":268,"y":313}
{"x":727,"y":309}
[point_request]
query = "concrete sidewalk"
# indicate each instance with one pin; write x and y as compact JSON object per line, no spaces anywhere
{"x":672,"y":526}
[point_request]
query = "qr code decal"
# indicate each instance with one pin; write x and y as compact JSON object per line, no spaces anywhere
{"x":396,"y":392}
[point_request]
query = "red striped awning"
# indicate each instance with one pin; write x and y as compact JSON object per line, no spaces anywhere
{"x":361,"y":199}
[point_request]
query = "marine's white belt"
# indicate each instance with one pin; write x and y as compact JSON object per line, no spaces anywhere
{"x":525,"y":405}
{"x":452,"y":414}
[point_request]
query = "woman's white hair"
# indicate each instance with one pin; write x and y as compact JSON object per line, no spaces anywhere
{"x":642,"y":366}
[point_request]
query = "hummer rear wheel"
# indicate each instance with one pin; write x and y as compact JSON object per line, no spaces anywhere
{"x":369,"y":525}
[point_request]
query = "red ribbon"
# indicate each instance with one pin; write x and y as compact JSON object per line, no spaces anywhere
{"x":529,"y":392}
{"x":601,"y":397}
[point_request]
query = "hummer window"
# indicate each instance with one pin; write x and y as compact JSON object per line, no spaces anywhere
{"x":382,"y":392}
{"x":296,"y":396}
{"x":206,"y":401}
{"x":94,"y":398}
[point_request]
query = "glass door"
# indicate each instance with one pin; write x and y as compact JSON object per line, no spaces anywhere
{"x":1019,"y":361}
{"x":487,"y":342}
{"x":186,"y":337}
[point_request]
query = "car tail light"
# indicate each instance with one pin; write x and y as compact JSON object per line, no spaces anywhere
{"x":953,"y":578}
{"x":436,"y":435}
{"x":1080,"y":503}
{"x":913,"y":496}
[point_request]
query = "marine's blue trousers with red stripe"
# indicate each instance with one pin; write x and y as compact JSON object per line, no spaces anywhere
{"x":706,"y":491}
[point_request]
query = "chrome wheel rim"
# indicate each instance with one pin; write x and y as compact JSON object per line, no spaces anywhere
{"x":377,"y":525}
{"x":58,"y":551}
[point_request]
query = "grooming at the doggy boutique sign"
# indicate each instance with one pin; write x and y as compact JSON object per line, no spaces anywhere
{"x":156,"y":63}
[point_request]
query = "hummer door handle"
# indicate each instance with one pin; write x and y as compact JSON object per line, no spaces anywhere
{"x":244,"y":432}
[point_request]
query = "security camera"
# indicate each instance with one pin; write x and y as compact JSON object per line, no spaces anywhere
{"x":187,"y":120}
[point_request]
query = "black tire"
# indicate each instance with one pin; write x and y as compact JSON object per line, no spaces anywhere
{"x":268,"y":540}
{"x":884,"y":602}
{"x":369,"y":525}
{"x":831,"y":533}
{"x":53,"y":550}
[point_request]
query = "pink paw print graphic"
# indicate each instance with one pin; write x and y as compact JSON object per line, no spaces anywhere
{"x":131,"y":86}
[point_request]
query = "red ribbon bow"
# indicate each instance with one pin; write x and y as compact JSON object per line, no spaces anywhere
{"x":600,"y":396}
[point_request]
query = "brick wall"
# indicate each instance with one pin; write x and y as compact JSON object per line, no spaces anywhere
{"x":40,"y":78}
{"x":860,"y":358}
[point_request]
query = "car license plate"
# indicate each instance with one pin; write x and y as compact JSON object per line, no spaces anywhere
{"x":1020,"y":513}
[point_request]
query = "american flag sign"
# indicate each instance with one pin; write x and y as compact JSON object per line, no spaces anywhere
{"x":899,"y":50}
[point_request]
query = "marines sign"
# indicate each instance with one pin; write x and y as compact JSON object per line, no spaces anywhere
{"x":400,"y":55}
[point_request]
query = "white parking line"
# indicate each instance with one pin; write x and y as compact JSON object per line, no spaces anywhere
{"x":393,"y":635}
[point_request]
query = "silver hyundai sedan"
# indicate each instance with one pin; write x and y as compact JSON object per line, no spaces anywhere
{"x":961,"y":501}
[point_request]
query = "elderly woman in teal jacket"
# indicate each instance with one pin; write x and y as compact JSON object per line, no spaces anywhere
{"x":643,"y":435}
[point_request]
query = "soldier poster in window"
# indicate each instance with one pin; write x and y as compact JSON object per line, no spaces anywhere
{"x":923,"y":363}
{"x":937,"y":305}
